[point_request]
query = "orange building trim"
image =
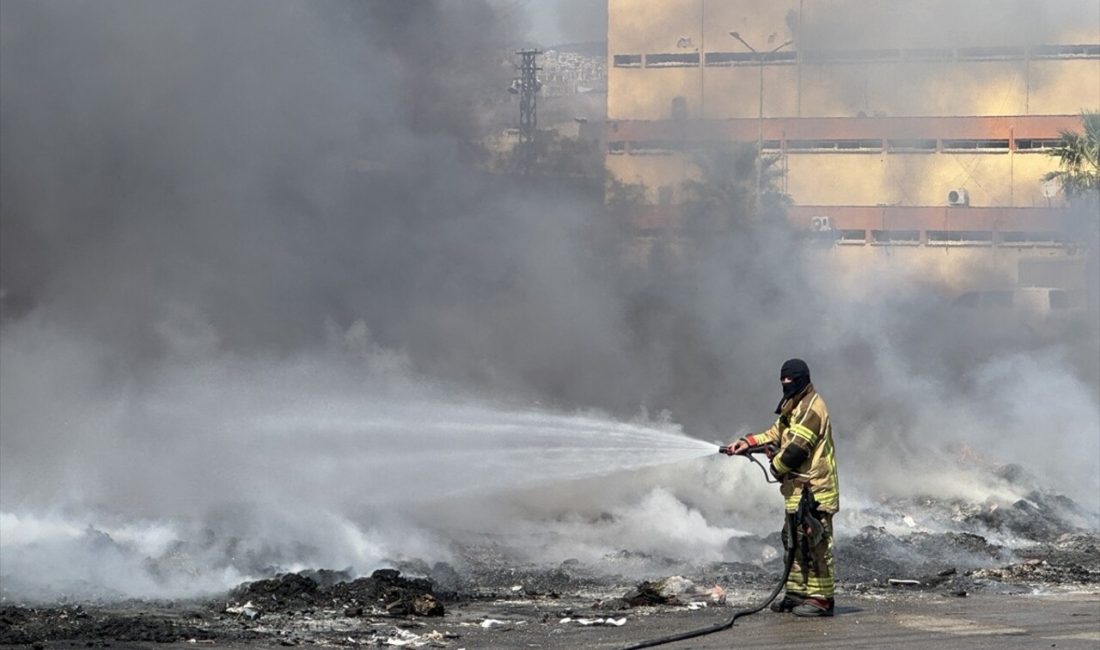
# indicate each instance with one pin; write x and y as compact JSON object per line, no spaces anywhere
{"x":1000,"y":127}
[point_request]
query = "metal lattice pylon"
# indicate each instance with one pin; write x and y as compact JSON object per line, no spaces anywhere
{"x":528,"y":104}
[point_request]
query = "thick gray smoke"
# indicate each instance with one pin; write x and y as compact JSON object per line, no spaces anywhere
{"x":582,"y":21}
{"x":232,"y":232}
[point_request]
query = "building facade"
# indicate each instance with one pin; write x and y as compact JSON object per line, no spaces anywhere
{"x":897,"y":123}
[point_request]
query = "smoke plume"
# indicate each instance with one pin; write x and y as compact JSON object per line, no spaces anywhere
{"x":227,"y":226}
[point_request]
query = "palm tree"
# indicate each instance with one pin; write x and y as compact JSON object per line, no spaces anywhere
{"x":1079,"y":160}
{"x":1079,"y":176}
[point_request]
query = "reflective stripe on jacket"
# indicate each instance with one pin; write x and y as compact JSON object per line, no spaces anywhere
{"x":806,"y":455}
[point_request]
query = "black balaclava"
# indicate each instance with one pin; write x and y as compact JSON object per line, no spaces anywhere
{"x":799,"y":373}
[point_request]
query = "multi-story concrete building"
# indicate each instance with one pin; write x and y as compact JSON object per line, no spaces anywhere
{"x":898,"y":123}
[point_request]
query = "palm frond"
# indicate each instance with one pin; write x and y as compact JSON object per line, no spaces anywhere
{"x":1079,"y":158}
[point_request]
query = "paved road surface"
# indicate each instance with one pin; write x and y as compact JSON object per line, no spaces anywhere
{"x":934,"y":622}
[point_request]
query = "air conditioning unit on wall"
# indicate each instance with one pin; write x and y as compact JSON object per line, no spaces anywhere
{"x":820,"y":224}
{"x":958,"y":197}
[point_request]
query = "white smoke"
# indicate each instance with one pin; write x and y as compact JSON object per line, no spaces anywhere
{"x":226,"y":350}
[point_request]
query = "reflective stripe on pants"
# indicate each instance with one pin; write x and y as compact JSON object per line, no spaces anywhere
{"x":816,"y":577}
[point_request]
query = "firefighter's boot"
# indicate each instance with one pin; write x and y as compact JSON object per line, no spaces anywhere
{"x":814,"y":607}
{"x":788,"y":602}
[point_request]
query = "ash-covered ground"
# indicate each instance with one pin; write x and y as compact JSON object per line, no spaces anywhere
{"x":936,"y":561}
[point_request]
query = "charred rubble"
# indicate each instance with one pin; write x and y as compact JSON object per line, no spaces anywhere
{"x":242,"y":616}
{"x":951,"y":548}
{"x":384,"y":592}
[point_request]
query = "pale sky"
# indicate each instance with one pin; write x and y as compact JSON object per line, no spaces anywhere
{"x":566,"y":21}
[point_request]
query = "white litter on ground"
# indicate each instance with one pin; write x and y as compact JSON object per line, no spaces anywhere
{"x":616,"y":622}
{"x":491,"y":622}
{"x":404,"y":638}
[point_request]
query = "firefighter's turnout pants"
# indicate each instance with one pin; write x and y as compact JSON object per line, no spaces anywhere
{"x":812,"y":571}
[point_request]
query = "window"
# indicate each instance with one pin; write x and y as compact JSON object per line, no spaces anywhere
{"x":750,"y":58}
{"x":929,"y":54}
{"x":975,"y":145}
{"x":904,"y":237}
{"x":616,"y":147}
{"x":779,"y":57}
{"x":990,"y":53}
{"x":1031,"y":238}
{"x":920,"y":144}
{"x":834,"y":145}
{"x":628,"y":60}
{"x":647,"y":147}
{"x":730,"y":58}
{"x":1039,"y":144}
{"x":770,"y":145}
{"x":1066,"y":51}
{"x":672,"y":60}
{"x":960,"y":237}
{"x":852,"y":56}
{"x":875,"y":145}
{"x":851,"y":237}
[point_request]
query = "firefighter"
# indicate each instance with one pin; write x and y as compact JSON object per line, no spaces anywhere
{"x":804,"y":461}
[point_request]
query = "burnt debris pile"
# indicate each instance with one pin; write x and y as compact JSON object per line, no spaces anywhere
{"x":1073,"y":559}
{"x":1000,"y":544}
{"x":876,"y":556}
{"x":385,"y":592}
{"x":25,"y":625}
{"x":958,"y":563}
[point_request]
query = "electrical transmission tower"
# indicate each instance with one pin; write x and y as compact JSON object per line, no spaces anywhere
{"x":528,"y":88}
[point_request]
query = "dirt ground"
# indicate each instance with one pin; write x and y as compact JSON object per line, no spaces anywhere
{"x":1044,"y":595}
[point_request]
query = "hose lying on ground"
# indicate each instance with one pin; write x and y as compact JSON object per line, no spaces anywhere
{"x":691,"y":634}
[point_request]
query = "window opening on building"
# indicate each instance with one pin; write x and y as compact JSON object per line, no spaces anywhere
{"x":915,"y":144}
{"x":991,"y":53}
{"x":1023,"y":238}
{"x":649,"y":147}
{"x":1089,"y":51}
{"x":900,"y":237}
{"x":672,"y":60}
{"x":750,"y":58}
{"x":851,"y":237}
{"x":730,"y":58}
{"x":616,"y":147}
{"x":960,"y":237}
{"x":852,"y":56}
{"x":975,"y":145}
{"x":1039,"y":144}
{"x":628,"y":60}
{"x":834,"y":145}
{"x":778,"y":57}
{"x":875,"y":145}
{"x":929,"y":54}
{"x":771,"y":145}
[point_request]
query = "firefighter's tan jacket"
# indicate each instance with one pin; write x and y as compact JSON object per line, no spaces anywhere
{"x":805,"y":439}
